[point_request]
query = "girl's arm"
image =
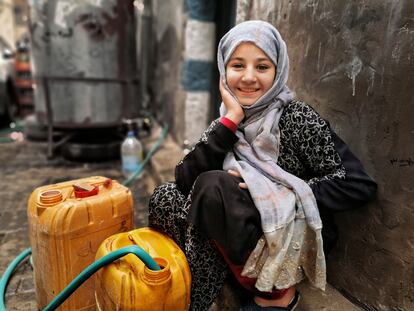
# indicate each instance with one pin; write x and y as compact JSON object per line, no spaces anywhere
{"x":207,"y":155}
{"x":342,"y":192}
{"x":336,"y":176}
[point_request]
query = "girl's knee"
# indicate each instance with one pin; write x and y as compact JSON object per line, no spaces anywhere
{"x":164,"y":194}
{"x":213,"y":179}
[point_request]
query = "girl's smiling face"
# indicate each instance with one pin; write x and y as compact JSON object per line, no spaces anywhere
{"x":249,"y":73}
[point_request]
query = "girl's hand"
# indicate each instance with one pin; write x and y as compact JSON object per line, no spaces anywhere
{"x":242,"y":185}
{"x":234,"y":111}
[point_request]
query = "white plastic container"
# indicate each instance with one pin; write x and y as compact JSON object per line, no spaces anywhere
{"x":131,"y":154}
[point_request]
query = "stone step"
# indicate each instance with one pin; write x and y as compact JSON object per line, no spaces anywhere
{"x":331,"y":300}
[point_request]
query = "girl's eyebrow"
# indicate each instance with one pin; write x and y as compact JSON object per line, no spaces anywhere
{"x":237,"y":58}
{"x":263,"y":59}
{"x":242,"y":59}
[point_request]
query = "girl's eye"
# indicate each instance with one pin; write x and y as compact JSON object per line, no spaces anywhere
{"x":237,"y":66}
{"x":262,"y":67}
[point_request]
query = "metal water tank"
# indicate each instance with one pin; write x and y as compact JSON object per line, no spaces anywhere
{"x":84,"y":65}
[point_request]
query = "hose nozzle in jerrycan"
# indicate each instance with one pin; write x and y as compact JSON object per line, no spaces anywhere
{"x":67,"y":223}
{"x":128,"y":284}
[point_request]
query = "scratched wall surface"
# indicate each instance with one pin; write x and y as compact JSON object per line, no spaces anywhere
{"x":83,"y":40}
{"x":353,"y":62}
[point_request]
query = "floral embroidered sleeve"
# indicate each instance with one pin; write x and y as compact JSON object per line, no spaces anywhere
{"x":208,"y":154}
{"x":336,"y":176}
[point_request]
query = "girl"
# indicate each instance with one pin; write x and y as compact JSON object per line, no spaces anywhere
{"x":253,"y":193}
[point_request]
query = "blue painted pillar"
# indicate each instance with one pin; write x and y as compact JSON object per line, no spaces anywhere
{"x":198,"y":66}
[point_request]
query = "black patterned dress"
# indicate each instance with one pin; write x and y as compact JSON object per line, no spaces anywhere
{"x":309,"y":149}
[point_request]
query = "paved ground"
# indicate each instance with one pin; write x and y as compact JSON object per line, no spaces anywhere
{"x":24,"y":167}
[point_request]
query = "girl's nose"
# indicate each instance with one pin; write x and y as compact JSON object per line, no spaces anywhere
{"x":249,"y":76}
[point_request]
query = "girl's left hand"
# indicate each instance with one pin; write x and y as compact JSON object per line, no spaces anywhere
{"x":242,"y":185}
{"x":234,"y":111}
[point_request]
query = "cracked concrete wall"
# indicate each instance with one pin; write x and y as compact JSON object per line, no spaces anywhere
{"x":352,"y":61}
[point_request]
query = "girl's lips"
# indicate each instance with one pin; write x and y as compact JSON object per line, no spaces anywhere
{"x":249,"y":91}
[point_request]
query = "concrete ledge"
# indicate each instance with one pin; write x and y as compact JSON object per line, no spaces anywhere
{"x":331,"y":300}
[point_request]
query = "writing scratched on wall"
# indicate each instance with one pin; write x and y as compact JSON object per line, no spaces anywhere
{"x":402,"y":162}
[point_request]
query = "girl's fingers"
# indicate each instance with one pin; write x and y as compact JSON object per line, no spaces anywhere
{"x":234,"y":173}
{"x":222,"y":89}
{"x":234,"y":110}
{"x":221,"y":86}
{"x":228,"y":99}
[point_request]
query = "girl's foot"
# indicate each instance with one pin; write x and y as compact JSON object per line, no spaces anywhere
{"x":284,"y":301}
{"x":272,"y":305}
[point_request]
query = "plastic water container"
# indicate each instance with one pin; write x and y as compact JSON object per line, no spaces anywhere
{"x":67,"y":223}
{"x":131,"y":154}
{"x":128,"y":284}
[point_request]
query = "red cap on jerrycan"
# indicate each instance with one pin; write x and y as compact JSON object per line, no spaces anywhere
{"x":85,"y":190}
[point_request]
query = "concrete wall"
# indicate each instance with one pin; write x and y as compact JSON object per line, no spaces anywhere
{"x":168,"y":98}
{"x":21,"y":16}
{"x":353,"y":62}
{"x":7,"y":22}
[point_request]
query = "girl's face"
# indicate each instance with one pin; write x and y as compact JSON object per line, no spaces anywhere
{"x":249,"y":73}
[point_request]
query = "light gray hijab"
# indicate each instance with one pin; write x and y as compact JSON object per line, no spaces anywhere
{"x":287,"y":206}
{"x":268,"y":39}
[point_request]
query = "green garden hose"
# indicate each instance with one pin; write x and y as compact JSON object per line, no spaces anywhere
{"x":8,"y":273}
{"x":107,"y":259}
{"x":82,"y":277}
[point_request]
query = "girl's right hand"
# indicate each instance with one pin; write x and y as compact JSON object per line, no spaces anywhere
{"x":242,"y":185}
{"x":234,"y":111}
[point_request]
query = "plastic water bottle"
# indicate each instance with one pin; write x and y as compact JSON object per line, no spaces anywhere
{"x":131,"y":154}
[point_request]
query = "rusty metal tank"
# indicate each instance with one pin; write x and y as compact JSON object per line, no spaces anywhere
{"x":84,"y":66}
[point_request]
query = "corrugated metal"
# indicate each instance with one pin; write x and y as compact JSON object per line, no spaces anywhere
{"x":83,"y":55}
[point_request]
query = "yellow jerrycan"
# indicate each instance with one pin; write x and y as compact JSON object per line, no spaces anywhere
{"x":127,"y":284}
{"x":67,"y":223}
